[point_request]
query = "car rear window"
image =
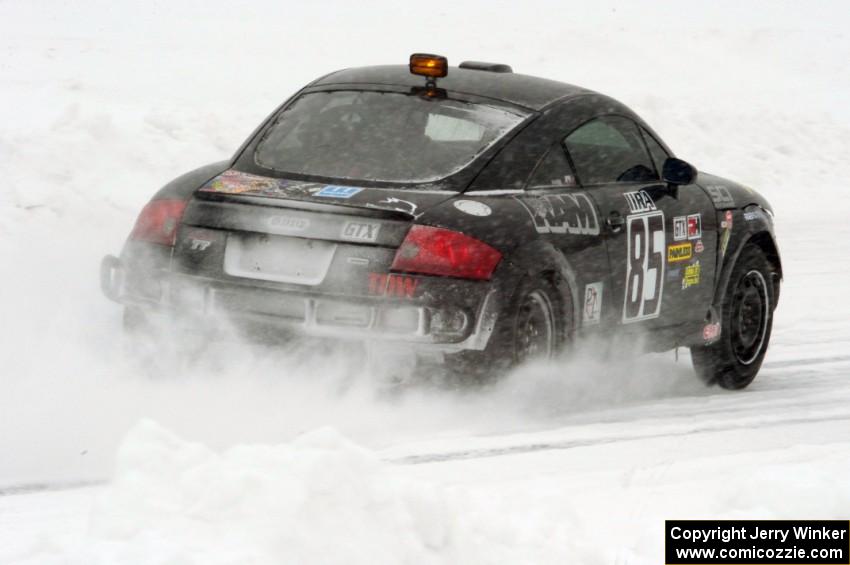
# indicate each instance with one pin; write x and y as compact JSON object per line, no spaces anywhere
{"x":380,"y":136}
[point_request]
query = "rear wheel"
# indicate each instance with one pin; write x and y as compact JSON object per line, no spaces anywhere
{"x":535,"y":336}
{"x":534,"y":326}
{"x":747,"y":319}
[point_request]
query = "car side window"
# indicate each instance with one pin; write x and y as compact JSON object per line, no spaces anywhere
{"x":553,"y":171}
{"x":659,"y":155}
{"x":609,"y":149}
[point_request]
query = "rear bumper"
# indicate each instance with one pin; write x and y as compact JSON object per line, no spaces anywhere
{"x":433,"y":325}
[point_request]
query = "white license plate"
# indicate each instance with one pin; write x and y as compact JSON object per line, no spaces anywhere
{"x":278,"y":258}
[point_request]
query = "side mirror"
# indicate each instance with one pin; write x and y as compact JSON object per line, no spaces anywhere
{"x":678,"y":172}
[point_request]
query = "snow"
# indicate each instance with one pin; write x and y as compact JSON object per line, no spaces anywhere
{"x":322,"y":499}
{"x":182,"y":502}
{"x":102,"y":103}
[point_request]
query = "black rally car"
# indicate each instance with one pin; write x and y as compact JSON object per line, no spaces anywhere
{"x":471,"y":212}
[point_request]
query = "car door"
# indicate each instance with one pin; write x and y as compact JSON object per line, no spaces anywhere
{"x":691,"y":248}
{"x":656,"y":236}
{"x":565,"y":216}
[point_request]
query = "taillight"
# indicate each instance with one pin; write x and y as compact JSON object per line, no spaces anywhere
{"x":158,"y":222}
{"x":437,"y":251}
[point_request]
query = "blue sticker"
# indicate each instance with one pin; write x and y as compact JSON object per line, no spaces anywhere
{"x":334,"y":191}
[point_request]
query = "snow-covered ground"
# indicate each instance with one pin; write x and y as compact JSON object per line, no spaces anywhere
{"x":294,"y":456}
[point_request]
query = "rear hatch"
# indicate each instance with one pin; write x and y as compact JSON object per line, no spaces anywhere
{"x":294,"y":235}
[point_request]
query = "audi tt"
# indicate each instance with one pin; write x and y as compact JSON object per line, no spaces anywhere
{"x":469,"y":213}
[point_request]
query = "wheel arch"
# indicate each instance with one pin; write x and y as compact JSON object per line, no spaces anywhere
{"x":765,"y":241}
{"x":539,"y":258}
{"x":758,"y":232}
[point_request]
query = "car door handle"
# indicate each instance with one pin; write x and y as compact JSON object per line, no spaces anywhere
{"x":616,"y":221}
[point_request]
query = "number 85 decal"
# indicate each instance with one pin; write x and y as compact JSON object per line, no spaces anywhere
{"x":644,"y":266}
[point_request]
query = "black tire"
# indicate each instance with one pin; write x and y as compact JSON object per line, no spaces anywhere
{"x":746,"y":322}
{"x":536,"y":324}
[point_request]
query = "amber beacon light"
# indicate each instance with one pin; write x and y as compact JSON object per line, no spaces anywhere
{"x":432,"y":66}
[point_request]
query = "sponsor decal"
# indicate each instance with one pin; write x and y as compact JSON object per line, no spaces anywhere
{"x":687,"y":227}
{"x":679,"y":252}
{"x":640,"y":201}
{"x":680,"y":228}
{"x":360,"y":231}
{"x":592,"y":303}
{"x":199,"y":244}
{"x":288,"y":223}
{"x":400,"y":286}
{"x":726,"y":226}
{"x":674,"y":274}
{"x":750,"y":216}
{"x":691,"y":276}
{"x":235,"y":182}
{"x":699,"y":247}
{"x":710,"y":332}
{"x":644,"y":266}
{"x":335,"y":191}
{"x":694,"y":226}
{"x":720,"y":195}
{"x":473,"y":208}
{"x":562,"y":213}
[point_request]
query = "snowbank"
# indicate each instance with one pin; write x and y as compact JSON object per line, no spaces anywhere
{"x":319,"y":499}
{"x":323,"y":499}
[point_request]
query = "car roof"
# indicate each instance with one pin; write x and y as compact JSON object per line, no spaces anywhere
{"x":523,"y":90}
